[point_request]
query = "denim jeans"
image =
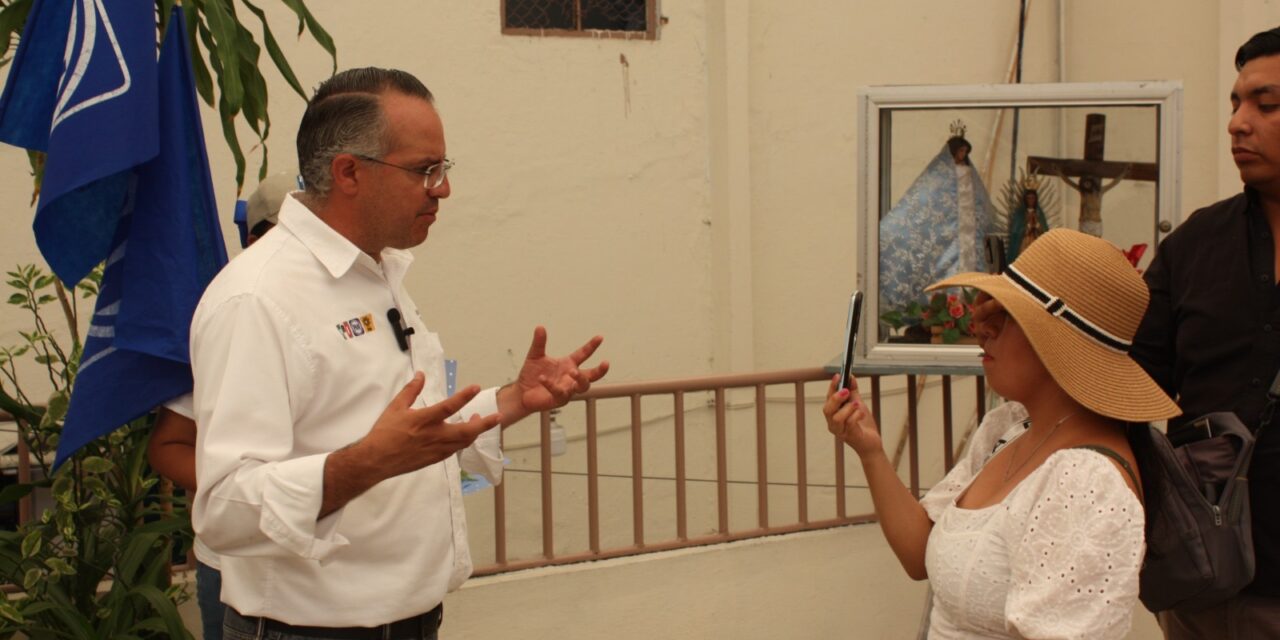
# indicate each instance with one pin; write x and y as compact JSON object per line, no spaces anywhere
{"x":238,"y":627}
{"x":209,"y":597}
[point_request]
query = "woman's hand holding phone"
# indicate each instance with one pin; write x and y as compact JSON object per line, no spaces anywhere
{"x":849,"y":418}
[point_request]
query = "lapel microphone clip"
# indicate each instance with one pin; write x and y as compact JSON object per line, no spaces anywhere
{"x":402,"y":332}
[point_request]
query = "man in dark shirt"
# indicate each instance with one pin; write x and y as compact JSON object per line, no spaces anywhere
{"x":1211,"y":336}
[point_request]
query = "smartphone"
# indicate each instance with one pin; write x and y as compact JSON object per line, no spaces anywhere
{"x":850,"y":337}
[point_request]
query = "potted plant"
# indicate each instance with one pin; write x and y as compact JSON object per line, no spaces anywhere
{"x":95,"y":562}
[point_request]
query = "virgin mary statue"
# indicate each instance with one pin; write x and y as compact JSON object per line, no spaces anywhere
{"x":937,"y":229}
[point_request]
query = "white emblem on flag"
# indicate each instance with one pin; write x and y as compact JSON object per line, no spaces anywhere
{"x":94,"y":13}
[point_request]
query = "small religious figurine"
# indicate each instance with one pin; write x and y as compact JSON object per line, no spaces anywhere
{"x":1027,"y":220}
{"x":936,"y":230}
{"x":1091,"y":191}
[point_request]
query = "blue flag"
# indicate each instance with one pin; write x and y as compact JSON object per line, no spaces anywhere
{"x":126,"y":181}
{"x":83,"y":89}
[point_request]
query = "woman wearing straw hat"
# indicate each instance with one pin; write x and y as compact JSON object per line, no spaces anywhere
{"x":1032,"y":534}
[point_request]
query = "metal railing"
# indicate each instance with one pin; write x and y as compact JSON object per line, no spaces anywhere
{"x":805,"y":429}
{"x":765,"y":432}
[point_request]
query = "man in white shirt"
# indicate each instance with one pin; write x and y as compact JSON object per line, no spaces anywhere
{"x":326,"y":448}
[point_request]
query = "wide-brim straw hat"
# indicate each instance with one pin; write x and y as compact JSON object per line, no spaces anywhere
{"x":1079,"y":302}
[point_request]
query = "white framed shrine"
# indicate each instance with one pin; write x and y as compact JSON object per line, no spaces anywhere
{"x":961,"y":177}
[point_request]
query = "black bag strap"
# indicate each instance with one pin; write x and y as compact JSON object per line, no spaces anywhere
{"x":1108,"y":452}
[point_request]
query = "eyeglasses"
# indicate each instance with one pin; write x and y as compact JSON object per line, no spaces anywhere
{"x":433,"y":176}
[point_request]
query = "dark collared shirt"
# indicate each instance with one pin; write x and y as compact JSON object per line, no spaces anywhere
{"x":1211,"y":339}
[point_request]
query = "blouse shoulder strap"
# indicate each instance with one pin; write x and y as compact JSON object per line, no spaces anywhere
{"x":1106,"y":451}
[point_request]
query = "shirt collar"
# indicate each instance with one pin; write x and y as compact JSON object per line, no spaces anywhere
{"x":335,"y":251}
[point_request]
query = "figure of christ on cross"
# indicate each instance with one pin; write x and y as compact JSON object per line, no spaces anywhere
{"x":1091,"y":171}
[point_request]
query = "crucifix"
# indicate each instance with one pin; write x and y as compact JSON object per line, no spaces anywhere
{"x":1091,"y":171}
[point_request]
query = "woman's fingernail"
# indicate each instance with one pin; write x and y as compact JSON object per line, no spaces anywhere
{"x":843,"y":393}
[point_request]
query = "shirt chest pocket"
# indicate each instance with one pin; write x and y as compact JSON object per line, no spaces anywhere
{"x":428,"y":357}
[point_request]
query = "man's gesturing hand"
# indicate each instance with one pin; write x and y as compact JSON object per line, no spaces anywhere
{"x":403,"y":439}
{"x":545,"y":382}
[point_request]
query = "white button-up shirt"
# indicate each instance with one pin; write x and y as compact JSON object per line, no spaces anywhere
{"x":294,"y":358}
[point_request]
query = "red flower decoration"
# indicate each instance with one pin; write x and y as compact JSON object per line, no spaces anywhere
{"x":1134,"y":253}
{"x":957,"y":311}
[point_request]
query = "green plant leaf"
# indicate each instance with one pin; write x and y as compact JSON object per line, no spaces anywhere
{"x":321,"y":36}
{"x":165,"y":608}
{"x":10,"y":612}
{"x":224,"y":31}
{"x":55,"y":409}
{"x":96,"y":464}
{"x":233,"y":141}
{"x":31,"y":579}
{"x":204,"y":81}
{"x":273,"y":50}
{"x":60,"y":566}
{"x":15,"y":492}
{"x":72,"y":619}
{"x":32,"y":543}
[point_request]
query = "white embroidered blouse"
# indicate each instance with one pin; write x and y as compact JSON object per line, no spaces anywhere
{"x":1057,"y":558}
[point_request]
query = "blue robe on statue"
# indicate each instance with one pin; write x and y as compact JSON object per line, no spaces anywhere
{"x":920,"y":240}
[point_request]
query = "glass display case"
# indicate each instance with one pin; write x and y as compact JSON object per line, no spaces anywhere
{"x":963,"y":178}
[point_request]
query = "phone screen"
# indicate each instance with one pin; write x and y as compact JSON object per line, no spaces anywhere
{"x":850,"y":336}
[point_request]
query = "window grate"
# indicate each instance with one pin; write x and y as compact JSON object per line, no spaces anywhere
{"x":595,"y":18}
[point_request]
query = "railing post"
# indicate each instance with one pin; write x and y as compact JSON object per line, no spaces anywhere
{"x":947,"y":455}
{"x":762,"y":458}
{"x":982,"y":395}
{"x":913,"y":434}
{"x":593,"y":478}
{"x":637,"y":473}
{"x":548,"y":520}
{"x":722,"y":465}
{"x":682,"y":505}
{"x":500,"y":517}
{"x":802,"y":462}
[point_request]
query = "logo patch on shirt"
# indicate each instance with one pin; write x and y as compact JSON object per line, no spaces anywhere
{"x":356,"y":327}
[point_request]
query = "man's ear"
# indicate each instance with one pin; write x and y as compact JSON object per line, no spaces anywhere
{"x":345,"y":171}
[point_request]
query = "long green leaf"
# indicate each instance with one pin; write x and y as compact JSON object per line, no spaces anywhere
{"x":204,"y":81}
{"x":273,"y":50}
{"x":233,"y":141}
{"x":15,"y":492}
{"x":322,"y":37}
{"x":164,"y":9}
{"x":225,"y":33}
{"x":141,"y":543}
{"x":75,"y":623}
{"x":165,"y":608}
{"x":225,"y":112}
{"x":254,"y":106}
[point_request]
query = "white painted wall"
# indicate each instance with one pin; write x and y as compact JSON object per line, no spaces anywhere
{"x":695,"y":205}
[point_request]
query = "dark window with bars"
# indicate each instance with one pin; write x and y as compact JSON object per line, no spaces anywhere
{"x":610,"y":18}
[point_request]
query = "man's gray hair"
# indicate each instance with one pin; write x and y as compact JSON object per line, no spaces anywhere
{"x":345,"y":116}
